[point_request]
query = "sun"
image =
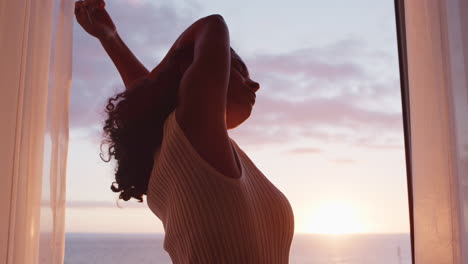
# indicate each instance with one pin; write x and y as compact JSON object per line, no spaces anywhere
{"x":335,"y":218}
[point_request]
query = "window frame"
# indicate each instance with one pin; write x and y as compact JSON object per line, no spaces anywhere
{"x":404,"y":86}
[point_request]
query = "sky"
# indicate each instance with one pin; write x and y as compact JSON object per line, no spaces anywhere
{"x":326,"y":128}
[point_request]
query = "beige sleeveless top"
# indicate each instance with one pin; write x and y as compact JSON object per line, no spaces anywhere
{"x":212,"y":218}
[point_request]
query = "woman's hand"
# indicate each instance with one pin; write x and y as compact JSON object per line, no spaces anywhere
{"x":93,"y":17}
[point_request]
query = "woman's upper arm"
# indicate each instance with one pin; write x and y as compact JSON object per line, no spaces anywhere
{"x":203,"y":87}
{"x":183,"y":44}
{"x":201,"y":108}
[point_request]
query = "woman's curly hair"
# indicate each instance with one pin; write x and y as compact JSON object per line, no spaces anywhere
{"x":133,"y":129}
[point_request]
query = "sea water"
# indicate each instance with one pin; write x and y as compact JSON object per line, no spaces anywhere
{"x":86,"y":248}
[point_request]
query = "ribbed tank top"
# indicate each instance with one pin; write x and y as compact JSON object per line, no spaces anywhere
{"x":212,"y":218}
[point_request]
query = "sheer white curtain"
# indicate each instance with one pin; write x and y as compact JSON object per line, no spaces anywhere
{"x":35,"y":76}
{"x":437,"y":43}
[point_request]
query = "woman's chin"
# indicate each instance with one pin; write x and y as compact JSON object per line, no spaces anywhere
{"x":235,"y":119}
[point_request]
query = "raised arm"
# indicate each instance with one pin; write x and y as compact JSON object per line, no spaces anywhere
{"x":203,"y":87}
{"x":129,"y":67}
{"x":93,"y":17}
{"x":201,"y":109}
{"x":185,"y":43}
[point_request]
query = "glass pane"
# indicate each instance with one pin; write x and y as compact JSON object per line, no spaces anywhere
{"x":326,"y":128}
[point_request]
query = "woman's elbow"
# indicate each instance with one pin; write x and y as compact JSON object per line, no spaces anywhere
{"x":214,"y":19}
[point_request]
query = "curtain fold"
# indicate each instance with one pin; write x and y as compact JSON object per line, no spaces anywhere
{"x":437,"y":48}
{"x":35,"y":73}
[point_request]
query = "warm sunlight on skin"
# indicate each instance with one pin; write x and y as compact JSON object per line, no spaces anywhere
{"x":336,"y":218}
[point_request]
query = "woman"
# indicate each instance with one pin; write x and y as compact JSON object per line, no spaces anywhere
{"x":168,"y":133}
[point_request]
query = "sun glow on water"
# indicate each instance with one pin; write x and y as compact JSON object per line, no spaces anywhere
{"x":336,"y":218}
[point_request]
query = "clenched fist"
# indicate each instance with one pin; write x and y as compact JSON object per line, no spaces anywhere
{"x":93,"y":17}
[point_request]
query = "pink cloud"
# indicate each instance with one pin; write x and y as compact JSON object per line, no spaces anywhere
{"x":339,"y":112}
{"x":310,"y":74}
{"x":326,"y":120}
{"x":305,"y":151}
{"x":135,"y":3}
{"x":293,"y":64}
{"x":344,"y":161}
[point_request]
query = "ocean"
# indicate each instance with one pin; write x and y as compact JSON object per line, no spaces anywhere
{"x":86,"y":248}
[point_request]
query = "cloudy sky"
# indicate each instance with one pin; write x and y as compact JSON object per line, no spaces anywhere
{"x":326,"y":128}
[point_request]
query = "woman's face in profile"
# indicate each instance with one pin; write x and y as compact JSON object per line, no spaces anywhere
{"x":241,"y":89}
{"x":241,"y":93}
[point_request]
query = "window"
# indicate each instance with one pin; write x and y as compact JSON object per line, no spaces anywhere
{"x":326,"y":129}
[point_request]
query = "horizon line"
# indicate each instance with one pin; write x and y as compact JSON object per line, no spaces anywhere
{"x":299,"y":233}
